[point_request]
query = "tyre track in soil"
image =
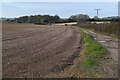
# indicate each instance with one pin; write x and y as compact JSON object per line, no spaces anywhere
{"x":24,"y":34}
{"x":40,"y":53}
{"x":28,"y":40}
{"x":36,"y":45}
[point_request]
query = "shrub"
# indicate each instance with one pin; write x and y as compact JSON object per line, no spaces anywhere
{"x":110,"y":28}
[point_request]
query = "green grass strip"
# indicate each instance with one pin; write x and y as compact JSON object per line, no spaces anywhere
{"x":92,"y":48}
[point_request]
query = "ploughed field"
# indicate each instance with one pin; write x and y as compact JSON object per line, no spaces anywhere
{"x":34,"y":51}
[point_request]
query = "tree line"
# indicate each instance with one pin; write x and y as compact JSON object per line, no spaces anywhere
{"x":48,"y":19}
{"x":41,"y":19}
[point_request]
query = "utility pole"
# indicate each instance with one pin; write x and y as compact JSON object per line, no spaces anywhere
{"x":97,"y":11}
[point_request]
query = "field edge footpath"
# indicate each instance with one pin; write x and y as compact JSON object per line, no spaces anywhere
{"x":92,"y":62}
{"x":92,"y":56}
{"x":110,"y":63}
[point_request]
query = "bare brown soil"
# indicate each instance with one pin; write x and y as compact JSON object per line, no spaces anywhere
{"x":34,"y":51}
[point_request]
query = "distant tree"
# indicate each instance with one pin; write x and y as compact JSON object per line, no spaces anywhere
{"x":95,"y":17}
{"x":56,"y":18}
{"x":73,"y":17}
{"x":79,"y":16}
{"x":22,"y":19}
{"x":92,"y":19}
{"x":82,"y":18}
{"x":8,"y":20}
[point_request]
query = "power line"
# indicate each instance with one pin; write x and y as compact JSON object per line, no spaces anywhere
{"x":97,"y":11}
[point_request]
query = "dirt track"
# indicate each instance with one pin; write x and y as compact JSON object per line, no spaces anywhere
{"x":109,"y":66}
{"x":36,"y":51}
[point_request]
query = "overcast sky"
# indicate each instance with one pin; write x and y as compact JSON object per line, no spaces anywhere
{"x":63,"y":9}
{"x":60,"y":0}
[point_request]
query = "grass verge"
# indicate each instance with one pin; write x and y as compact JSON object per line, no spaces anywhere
{"x":93,"y":49}
{"x":91,"y":56}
